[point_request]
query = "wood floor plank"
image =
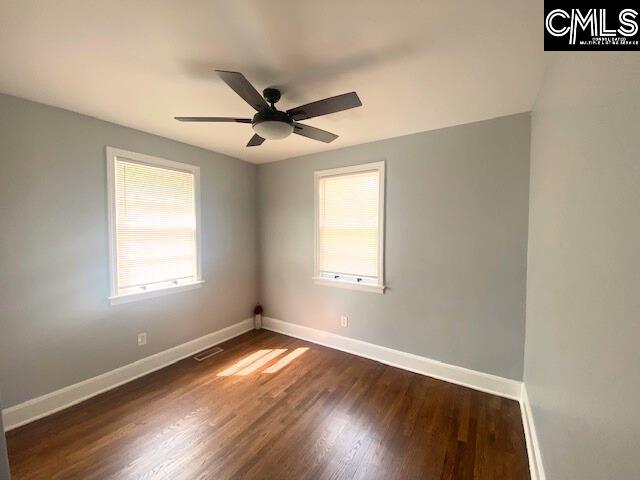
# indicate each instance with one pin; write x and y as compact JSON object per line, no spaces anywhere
{"x":317,"y":413}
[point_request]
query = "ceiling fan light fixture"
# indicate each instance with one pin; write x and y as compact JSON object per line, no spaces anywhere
{"x":273,"y":129}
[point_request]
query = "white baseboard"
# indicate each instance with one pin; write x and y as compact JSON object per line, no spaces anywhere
{"x":484,"y":382}
{"x":44,"y":405}
{"x":536,"y":468}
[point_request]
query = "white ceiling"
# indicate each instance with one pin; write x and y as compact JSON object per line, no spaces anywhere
{"x":416,"y":65}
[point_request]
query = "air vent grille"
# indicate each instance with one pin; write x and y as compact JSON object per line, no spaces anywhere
{"x":209,"y":352}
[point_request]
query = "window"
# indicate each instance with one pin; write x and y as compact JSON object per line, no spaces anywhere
{"x":349,"y":227}
{"x":153,"y":226}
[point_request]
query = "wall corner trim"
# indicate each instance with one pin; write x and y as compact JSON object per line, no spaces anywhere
{"x":536,"y":468}
{"x":484,"y":382}
{"x":57,"y":400}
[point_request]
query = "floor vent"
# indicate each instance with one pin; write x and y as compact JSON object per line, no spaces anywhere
{"x":209,"y":352}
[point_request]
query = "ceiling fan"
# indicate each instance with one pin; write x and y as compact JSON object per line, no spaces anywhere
{"x":272,"y":124}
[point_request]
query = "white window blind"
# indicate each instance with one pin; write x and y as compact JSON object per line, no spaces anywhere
{"x":349,"y":243}
{"x":155,"y":237}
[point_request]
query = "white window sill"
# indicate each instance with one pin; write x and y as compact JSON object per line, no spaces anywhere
{"x":133,"y":297}
{"x":349,"y":285}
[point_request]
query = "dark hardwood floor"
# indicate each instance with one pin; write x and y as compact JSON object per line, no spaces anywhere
{"x":324,"y":415}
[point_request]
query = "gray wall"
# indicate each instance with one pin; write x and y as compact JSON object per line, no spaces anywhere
{"x":582,"y":363}
{"x":57,"y":326}
{"x":456,"y":234}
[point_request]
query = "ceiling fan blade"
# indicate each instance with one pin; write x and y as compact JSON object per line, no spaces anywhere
{"x":242,"y":87}
{"x":213,"y":119}
{"x":255,"y":141}
{"x":314,"y":133}
{"x":326,"y":106}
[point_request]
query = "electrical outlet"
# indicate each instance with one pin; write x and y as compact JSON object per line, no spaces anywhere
{"x":142,"y":339}
{"x":344,"y":321}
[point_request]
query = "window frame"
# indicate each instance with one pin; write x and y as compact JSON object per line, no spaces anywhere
{"x":112,"y":154}
{"x":350,"y":282}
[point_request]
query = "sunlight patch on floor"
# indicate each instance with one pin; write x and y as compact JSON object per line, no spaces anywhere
{"x":261,"y":361}
{"x":244,"y":362}
{"x":252,"y":363}
{"x":284,"y":361}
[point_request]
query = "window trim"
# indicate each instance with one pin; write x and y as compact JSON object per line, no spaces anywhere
{"x":112,"y":154}
{"x":323,"y":279}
